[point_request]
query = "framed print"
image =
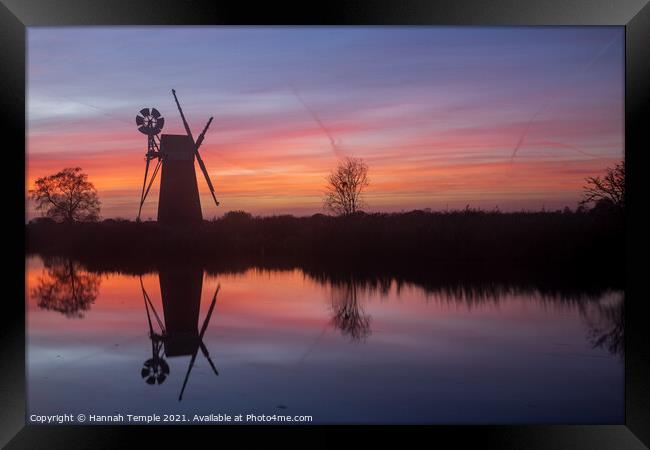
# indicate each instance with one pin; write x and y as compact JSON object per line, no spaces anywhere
{"x":294,"y":224}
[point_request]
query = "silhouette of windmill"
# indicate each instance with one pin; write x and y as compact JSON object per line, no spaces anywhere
{"x":178,"y":336}
{"x":178,"y":202}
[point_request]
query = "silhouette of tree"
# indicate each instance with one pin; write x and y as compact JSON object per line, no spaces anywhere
{"x":349,"y":317}
{"x":66,"y":288}
{"x":67,"y":196}
{"x":609,"y":189}
{"x":345,"y":186}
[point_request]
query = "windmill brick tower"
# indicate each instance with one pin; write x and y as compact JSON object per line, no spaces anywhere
{"x":179,"y":204}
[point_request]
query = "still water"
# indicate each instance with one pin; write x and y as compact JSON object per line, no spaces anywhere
{"x":282,"y":342}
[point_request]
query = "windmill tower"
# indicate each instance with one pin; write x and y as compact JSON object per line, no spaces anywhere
{"x":178,"y":204}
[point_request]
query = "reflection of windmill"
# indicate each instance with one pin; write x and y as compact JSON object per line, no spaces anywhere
{"x":179,"y":202}
{"x":178,"y":336}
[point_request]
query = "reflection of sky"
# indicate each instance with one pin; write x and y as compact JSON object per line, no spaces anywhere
{"x":431,"y":359}
{"x":436,"y":112}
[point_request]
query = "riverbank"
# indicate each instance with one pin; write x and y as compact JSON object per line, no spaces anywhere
{"x":584,"y":246}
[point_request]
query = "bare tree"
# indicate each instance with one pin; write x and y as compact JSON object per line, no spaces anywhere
{"x":66,"y":196}
{"x":609,"y":189}
{"x":345,"y":186}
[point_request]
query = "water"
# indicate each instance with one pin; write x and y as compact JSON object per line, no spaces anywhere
{"x":346,"y":352}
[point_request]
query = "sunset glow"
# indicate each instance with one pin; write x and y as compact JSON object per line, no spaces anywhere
{"x":513,"y":118}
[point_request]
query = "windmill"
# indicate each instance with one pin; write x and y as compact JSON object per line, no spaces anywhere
{"x":178,"y":335}
{"x":178,"y":202}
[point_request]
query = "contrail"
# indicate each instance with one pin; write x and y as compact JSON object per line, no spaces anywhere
{"x":571,"y":147}
{"x":525,"y":133}
{"x":333,"y":142}
{"x":101,"y":110}
{"x":548,"y":101}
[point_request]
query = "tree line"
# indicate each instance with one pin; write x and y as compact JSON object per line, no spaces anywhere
{"x":68,"y":196}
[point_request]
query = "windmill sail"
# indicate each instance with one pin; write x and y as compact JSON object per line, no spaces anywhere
{"x":201,"y":345}
{"x":196,"y":146}
{"x":199,"y":141}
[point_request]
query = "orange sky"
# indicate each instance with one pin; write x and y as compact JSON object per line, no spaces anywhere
{"x":437,"y":128}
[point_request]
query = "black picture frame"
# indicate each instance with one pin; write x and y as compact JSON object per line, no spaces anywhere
{"x":634,"y":15}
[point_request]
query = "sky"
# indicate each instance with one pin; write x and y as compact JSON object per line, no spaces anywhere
{"x":507,"y":117}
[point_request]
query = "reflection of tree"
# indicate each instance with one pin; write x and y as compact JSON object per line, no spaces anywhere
{"x":606,"y":324}
{"x":66,"y":288}
{"x":349,"y":316}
